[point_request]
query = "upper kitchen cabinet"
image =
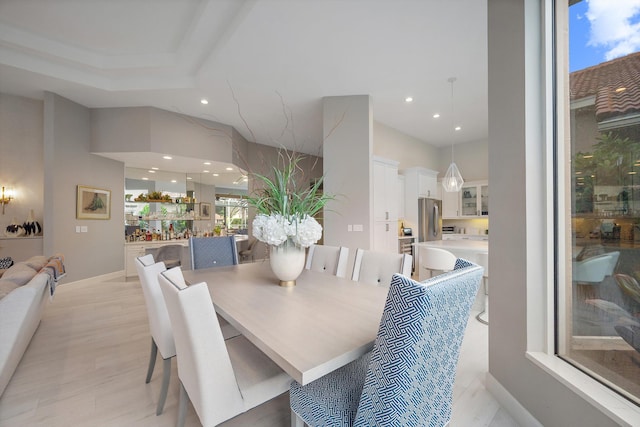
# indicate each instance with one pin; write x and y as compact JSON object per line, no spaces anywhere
{"x":385,"y":205}
{"x":472,"y":201}
{"x":418,"y":182}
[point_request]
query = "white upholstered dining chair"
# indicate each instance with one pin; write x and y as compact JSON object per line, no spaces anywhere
{"x":376,"y":268}
{"x":221,"y":378}
{"x":328,"y":259}
{"x":159,"y":323}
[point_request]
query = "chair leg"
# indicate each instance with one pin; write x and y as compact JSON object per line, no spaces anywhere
{"x":484,"y":310}
{"x":166,"y":374}
{"x":152,"y":360}
{"x":296,"y":421}
{"x":182,"y":406}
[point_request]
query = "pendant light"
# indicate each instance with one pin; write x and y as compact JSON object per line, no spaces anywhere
{"x":452,"y":181}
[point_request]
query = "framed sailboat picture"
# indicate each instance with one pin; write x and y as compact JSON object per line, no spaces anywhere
{"x":93,"y":203}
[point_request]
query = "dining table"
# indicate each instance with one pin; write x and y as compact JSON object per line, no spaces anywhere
{"x":311,"y":329}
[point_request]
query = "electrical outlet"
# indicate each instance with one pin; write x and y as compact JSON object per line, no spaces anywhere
{"x":349,"y":227}
{"x":77,"y":228}
{"x":358,"y":227}
{"x":84,"y":229}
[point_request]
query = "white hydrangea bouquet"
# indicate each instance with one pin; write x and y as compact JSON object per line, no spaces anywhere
{"x":286,"y":207}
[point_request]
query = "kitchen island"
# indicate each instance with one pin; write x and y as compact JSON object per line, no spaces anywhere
{"x":467,"y":249}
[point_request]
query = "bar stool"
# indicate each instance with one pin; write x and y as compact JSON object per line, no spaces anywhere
{"x":435,"y":259}
{"x":483,"y":261}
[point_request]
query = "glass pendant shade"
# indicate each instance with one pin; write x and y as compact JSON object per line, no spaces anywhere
{"x":452,"y":181}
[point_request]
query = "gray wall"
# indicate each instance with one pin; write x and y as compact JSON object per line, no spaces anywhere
{"x":347,"y":154}
{"x":68,"y":163}
{"x":407,"y":150}
{"x":472,"y":159}
{"x":515,"y":164}
{"x":148,"y":129}
{"x":21,"y":168}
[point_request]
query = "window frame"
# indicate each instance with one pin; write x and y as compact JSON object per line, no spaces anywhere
{"x":547,"y":305}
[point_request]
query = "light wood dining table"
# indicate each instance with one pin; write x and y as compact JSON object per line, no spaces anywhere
{"x":309,"y":330}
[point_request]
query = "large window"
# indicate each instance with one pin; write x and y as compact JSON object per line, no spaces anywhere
{"x":599,"y":326}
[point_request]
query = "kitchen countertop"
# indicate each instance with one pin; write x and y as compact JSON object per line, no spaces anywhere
{"x":465,"y":245}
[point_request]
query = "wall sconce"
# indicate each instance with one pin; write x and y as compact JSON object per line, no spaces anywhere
{"x":5,"y":197}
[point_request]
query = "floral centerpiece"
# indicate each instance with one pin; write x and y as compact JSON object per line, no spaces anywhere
{"x":285,"y":208}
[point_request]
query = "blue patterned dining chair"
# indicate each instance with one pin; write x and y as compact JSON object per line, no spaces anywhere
{"x":209,"y":252}
{"x":407,"y":379}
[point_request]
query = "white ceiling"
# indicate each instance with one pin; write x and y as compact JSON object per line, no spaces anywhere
{"x":266,"y":63}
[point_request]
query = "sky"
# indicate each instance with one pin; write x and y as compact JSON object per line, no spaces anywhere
{"x":602,"y":30}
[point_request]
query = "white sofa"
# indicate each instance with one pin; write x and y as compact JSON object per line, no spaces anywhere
{"x":24,"y":290}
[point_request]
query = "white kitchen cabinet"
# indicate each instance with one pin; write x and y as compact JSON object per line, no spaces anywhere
{"x":401,"y":195}
{"x":385,"y":205}
{"x":472,"y":201}
{"x":450,"y":204}
{"x":138,"y":249}
{"x":418,"y":182}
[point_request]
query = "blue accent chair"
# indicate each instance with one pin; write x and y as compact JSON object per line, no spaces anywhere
{"x":407,"y":379}
{"x":207,"y":252}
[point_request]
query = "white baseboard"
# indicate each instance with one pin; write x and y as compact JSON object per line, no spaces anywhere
{"x":103,"y":277}
{"x":509,"y":403}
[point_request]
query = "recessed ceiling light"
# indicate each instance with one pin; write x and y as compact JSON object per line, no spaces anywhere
{"x":587,"y":156}
{"x":229,"y":169}
{"x":408,"y":99}
{"x":216,"y":174}
{"x":458,"y":127}
{"x":151,"y":171}
{"x":174,"y":181}
{"x":203,"y":101}
{"x":205,"y":171}
{"x":167,"y":157}
{"x":632,"y":173}
{"x":189,"y":177}
{"x":155,"y":169}
{"x":621,"y":89}
{"x":436,"y":115}
{"x":145,"y":178}
{"x":207,"y":163}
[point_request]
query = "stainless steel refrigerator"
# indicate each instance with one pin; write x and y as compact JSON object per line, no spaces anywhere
{"x":429,"y":219}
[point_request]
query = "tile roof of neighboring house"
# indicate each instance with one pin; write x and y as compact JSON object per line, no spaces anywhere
{"x":603,"y":79}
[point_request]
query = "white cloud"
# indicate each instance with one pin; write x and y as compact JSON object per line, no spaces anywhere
{"x":613,"y":26}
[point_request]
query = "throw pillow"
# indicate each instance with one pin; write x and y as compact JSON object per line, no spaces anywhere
{"x":6,"y":262}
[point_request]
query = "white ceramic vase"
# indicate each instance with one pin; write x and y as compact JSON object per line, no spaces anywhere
{"x":287,"y":262}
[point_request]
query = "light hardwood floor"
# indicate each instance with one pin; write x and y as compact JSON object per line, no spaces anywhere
{"x":87,"y":363}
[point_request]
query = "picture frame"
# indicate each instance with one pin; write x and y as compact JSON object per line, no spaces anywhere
{"x":205,"y":210}
{"x":93,"y":203}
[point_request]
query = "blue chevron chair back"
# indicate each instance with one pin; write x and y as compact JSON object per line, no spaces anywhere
{"x":209,"y":252}
{"x":407,"y":379}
